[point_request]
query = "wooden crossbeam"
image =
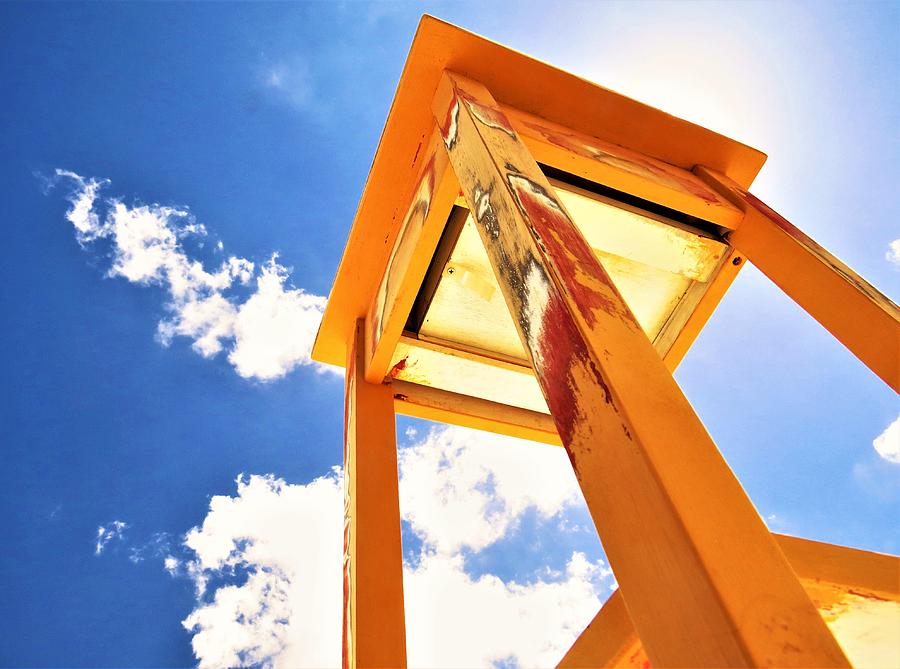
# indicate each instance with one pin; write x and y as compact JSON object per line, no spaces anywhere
{"x":418,"y":401}
{"x":610,"y":639}
{"x":691,"y":555}
{"x":620,"y":168}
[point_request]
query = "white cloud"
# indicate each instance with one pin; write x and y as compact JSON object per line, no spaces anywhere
{"x":288,"y":539}
{"x":284,"y":543}
{"x":456,"y":621}
{"x":887,"y":444}
{"x":266,"y":334}
{"x":292,"y":80}
{"x":276,"y":327}
{"x":462,"y":487}
{"x":893,"y":252}
{"x":105,"y":533}
{"x":171,"y":564}
{"x":81,"y":214}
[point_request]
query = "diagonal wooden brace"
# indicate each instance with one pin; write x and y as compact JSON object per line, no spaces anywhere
{"x":611,"y":641}
{"x":703,"y":580}
{"x":863,"y":319}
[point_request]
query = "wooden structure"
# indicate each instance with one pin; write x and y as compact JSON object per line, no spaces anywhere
{"x":533,"y":255}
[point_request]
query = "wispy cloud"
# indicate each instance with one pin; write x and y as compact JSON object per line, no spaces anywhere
{"x":291,"y":80}
{"x":893,"y":253}
{"x":251,"y":312}
{"x":112,"y":531}
{"x":278,"y":548}
{"x":887,"y":444}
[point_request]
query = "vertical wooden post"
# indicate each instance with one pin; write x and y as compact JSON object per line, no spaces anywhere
{"x":863,"y":319}
{"x":374,"y":632}
{"x":703,"y":580}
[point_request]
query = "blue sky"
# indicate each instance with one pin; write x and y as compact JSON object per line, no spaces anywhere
{"x":261,"y":120}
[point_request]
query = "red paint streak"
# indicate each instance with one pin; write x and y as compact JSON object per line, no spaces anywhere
{"x":561,"y":349}
{"x":559,"y":346}
{"x":569,"y":252}
{"x":396,"y":369}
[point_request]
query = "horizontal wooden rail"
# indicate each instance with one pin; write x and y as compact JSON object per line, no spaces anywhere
{"x":418,"y":401}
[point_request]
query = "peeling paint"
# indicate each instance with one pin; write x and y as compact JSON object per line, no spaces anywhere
{"x":627,"y":161}
{"x":450,"y":126}
{"x":561,"y":242}
{"x":396,"y":369}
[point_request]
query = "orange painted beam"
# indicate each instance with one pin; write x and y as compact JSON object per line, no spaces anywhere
{"x":429,"y":206}
{"x":418,"y":401}
{"x":374,"y":632}
{"x":705,"y":583}
{"x":610,"y":639}
{"x":621,"y":168}
{"x":863,"y":319}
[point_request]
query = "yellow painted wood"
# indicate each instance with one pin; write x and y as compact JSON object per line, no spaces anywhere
{"x":418,"y":401}
{"x":705,"y":583}
{"x":374,"y":632}
{"x":836,"y":578}
{"x":621,"y":168}
{"x":466,"y":373}
{"x":622,"y":230}
{"x":522,"y":83}
{"x":609,"y":640}
{"x":429,"y":205}
{"x":861,"y":317}
{"x":673,"y":353}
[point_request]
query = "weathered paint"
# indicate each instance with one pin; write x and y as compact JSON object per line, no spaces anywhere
{"x":628,"y":161}
{"x":622,"y":168}
{"x":674,"y":522}
{"x":558,"y":237}
{"x":429,"y":204}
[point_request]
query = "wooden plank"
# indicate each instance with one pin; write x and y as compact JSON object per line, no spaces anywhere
{"x":429,"y":206}
{"x":621,"y":168}
{"x":862,"y":318}
{"x":418,"y":401}
{"x":374,"y":632}
{"x":610,"y":639}
{"x":705,"y":583}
